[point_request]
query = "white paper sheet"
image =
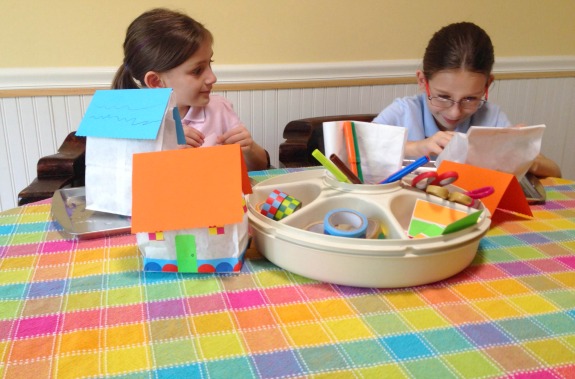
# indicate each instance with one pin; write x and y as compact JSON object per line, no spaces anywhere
{"x":511,"y":150}
{"x":381,"y":147}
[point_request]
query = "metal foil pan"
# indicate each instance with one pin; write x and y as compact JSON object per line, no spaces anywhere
{"x":69,"y":210}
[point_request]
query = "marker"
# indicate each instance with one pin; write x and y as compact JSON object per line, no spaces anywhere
{"x":330,"y":166}
{"x":357,"y":155}
{"x":346,"y":171}
{"x":349,"y":143}
{"x":406,"y":170}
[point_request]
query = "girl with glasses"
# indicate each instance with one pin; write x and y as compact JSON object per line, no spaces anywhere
{"x":455,"y":81}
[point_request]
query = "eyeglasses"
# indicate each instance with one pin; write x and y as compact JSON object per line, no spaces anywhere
{"x":444,"y":102}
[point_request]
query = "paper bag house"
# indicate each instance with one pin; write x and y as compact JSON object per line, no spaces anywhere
{"x":118,"y":124}
{"x":189,"y":212}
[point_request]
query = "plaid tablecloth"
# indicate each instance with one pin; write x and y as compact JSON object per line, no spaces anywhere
{"x":72,"y":308}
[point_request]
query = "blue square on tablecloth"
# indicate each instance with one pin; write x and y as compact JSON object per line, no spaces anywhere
{"x":485,"y":334}
{"x":557,"y":323}
{"x":187,"y":371}
{"x":447,"y":340}
{"x":322,"y":358}
{"x":506,"y":241}
{"x":86,"y":283}
{"x":277,"y":364}
{"x":534,"y":238}
{"x":367,"y":352}
{"x":407,"y":346}
{"x":124,"y":279}
{"x":486,"y":244}
{"x":12,"y":291}
{"x":522,"y":329}
{"x":237,"y":368}
{"x":7,"y":229}
{"x":32,"y":227}
{"x":48,"y":288}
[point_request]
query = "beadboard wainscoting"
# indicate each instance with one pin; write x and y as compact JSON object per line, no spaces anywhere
{"x":36,"y":116}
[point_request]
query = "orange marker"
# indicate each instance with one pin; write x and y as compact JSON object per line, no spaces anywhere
{"x":351,"y":157}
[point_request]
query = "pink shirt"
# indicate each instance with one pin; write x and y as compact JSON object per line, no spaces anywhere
{"x":213,"y":120}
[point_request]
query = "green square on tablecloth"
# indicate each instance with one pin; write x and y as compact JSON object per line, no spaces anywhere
{"x":162,"y":291}
{"x":200,"y":285}
{"x":175,"y":352}
{"x":9,"y":308}
{"x":387,"y":324}
{"x":429,"y":368}
{"x":124,"y":296}
{"x":19,"y":239}
{"x":564,"y":299}
{"x":236,"y":368}
{"x":366,"y":352}
{"x":472,"y":364}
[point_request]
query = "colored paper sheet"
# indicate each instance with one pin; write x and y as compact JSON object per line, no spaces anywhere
{"x":186,"y":253}
{"x":430,"y":219}
{"x":188,"y":188}
{"x":508,"y":194}
{"x":129,"y":113}
{"x":463,"y":223}
{"x":179,"y":127}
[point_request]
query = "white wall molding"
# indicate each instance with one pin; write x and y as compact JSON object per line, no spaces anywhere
{"x":88,"y":77}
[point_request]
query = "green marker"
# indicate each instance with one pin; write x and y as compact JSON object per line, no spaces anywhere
{"x":330,"y":166}
{"x":357,"y":156}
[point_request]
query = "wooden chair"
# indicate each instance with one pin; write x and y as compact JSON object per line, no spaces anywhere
{"x":66,"y":168}
{"x":303,"y":136}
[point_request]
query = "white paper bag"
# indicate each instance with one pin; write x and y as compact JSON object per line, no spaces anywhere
{"x":109,"y":163}
{"x":511,"y":150}
{"x":381,"y":147}
{"x":199,"y":250}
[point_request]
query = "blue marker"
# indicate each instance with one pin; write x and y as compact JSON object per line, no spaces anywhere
{"x":406,"y":170}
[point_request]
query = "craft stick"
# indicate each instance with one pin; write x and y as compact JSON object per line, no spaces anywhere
{"x":330,"y":166}
{"x":351,"y":156}
{"x":357,"y":155}
{"x":346,"y":171}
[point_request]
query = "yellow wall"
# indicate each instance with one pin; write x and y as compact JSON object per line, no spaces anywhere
{"x":66,"y":33}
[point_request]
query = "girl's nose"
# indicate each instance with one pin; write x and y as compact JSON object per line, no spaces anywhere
{"x":454,"y":111}
{"x":211,"y":77}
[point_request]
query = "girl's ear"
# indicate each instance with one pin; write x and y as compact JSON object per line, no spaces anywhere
{"x":152,"y":80}
{"x":490,"y":80}
{"x":420,"y":80}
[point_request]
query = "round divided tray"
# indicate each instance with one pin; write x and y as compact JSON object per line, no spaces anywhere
{"x":396,"y":261}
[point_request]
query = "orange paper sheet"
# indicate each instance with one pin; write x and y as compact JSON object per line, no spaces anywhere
{"x":508,"y":194}
{"x":188,"y":188}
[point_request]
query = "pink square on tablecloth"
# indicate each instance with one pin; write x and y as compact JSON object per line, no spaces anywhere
{"x":125,"y":314}
{"x":569,"y":261}
{"x":21,"y":250}
{"x":283,"y":295}
{"x":82,"y":320}
{"x":246,"y":299}
{"x":6,"y":329}
{"x":35,"y":326}
{"x":205,"y":304}
{"x":53,"y":246}
{"x":319,"y":291}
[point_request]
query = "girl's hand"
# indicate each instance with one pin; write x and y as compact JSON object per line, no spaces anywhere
{"x":255,"y":156}
{"x":239,"y":135}
{"x":432,"y":145}
{"x":194,"y":138}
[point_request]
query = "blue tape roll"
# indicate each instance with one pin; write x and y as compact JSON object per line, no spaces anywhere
{"x":344,"y":222}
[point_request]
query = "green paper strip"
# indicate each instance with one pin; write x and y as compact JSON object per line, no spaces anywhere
{"x":357,"y":155}
{"x":186,"y":253}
